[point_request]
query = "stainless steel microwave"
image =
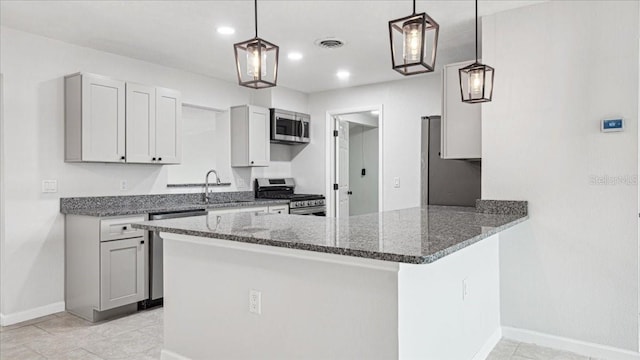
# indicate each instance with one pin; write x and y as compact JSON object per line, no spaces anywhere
{"x":289,"y":127}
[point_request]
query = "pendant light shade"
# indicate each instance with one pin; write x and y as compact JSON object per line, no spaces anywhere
{"x":257,"y":60}
{"x":476,"y":80}
{"x":414,"y":42}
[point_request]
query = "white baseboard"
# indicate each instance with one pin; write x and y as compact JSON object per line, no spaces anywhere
{"x":488,"y":346}
{"x":566,"y":344}
{"x":10,"y":319}
{"x":170,"y":355}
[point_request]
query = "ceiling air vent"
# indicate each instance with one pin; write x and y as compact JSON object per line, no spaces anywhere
{"x":329,"y":43}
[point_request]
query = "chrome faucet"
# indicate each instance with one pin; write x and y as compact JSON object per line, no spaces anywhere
{"x":206,"y":184}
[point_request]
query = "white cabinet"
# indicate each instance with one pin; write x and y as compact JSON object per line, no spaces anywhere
{"x":141,"y":123}
{"x":105,"y":265}
{"x":154,"y":125}
{"x":279,"y":209}
{"x":273,"y":209}
{"x":258,"y":209}
{"x":122,"y":272}
{"x":103,"y":117}
{"x":168,"y":129}
{"x":461,"y":122}
{"x":94,"y":119}
{"x":250,"y":144}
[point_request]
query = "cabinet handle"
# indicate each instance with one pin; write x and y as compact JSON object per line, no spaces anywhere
{"x":154,"y":159}
{"x":141,"y":242}
{"x":124,"y":228}
{"x":159,"y":159}
{"x":121,"y":157}
{"x":252,"y":162}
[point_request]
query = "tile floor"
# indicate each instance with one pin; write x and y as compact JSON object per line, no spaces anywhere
{"x":139,"y":337}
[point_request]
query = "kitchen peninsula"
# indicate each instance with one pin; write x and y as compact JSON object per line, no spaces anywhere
{"x":418,"y":283}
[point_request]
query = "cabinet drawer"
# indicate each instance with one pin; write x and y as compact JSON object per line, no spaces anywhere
{"x":279,"y":209}
{"x":120,"y":228}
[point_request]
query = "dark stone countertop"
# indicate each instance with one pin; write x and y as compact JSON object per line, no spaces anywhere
{"x":415,"y":236}
{"x":145,"y":204}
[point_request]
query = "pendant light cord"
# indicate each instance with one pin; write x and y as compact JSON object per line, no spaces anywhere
{"x":255,"y":9}
{"x":476,"y":30}
{"x":414,"y":7}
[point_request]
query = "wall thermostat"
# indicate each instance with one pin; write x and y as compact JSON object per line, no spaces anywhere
{"x":612,"y":125}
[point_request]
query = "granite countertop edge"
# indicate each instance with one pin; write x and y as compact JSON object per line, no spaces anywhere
{"x":179,"y":207}
{"x":375,"y":255}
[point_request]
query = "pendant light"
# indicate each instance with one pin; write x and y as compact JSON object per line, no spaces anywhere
{"x":256,"y":60}
{"x":414,"y":41}
{"x":476,"y":80}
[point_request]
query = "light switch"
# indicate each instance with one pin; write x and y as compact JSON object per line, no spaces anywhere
{"x":49,"y":186}
{"x":396,"y":182}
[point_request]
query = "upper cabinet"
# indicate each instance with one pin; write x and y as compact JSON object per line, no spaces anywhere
{"x":154,"y":125}
{"x":94,"y":119}
{"x":168,"y":126}
{"x":461,"y":122}
{"x":112,"y":121}
{"x":250,"y":144}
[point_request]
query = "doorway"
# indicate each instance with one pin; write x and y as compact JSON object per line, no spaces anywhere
{"x":356,"y":163}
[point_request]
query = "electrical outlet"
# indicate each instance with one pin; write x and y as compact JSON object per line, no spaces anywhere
{"x":124,"y":185}
{"x":465,"y":289}
{"x":255,"y":302}
{"x":396,"y":182}
{"x":241,"y":184}
{"x":49,"y":186}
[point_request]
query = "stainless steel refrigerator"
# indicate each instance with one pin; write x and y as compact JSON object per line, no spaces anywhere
{"x":446,"y":182}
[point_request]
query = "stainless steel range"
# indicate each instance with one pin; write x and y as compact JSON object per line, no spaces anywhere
{"x":284,"y":188}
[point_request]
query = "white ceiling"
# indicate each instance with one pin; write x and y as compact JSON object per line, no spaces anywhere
{"x":182,"y":34}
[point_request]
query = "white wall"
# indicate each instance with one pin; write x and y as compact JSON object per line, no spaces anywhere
{"x":404,"y":102}
{"x":561,"y":67}
{"x":363,"y":154}
{"x":33,"y":69}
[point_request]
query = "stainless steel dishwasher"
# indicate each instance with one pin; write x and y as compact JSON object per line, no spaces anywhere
{"x":155,"y":255}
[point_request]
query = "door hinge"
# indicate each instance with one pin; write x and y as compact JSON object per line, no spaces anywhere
{"x":335,"y":133}
{"x":335,"y":186}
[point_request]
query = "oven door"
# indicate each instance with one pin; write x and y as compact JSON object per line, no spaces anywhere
{"x":314,"y":210}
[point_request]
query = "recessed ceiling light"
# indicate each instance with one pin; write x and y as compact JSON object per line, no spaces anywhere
{"x":226,"y":30}
{"x":375,"y":112}
{"x":343,"y":74}
{"x":294,"y":56}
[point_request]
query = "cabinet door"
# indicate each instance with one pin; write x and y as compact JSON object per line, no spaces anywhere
{"x":122,"y":272}
{"x":141,"y":120}
{"x":168,"y":126}
{"x":461,"y":134}
{"x":103,"y":119}
{"x":259,"y":143}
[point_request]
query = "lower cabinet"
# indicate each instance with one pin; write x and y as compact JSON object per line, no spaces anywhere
{"x":122,"y":272}
{"x":273,"y":209}
{"x":105,"y":265}
{"x":279,"y":209}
